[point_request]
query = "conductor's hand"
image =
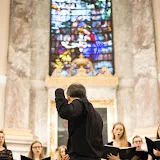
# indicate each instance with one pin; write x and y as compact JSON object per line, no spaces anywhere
{"x":113,"y":157}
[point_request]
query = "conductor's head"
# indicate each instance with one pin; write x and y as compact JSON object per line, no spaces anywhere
{"x":76,"y":90}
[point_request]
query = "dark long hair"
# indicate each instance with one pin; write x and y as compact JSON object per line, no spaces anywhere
{"x":4,"y":144}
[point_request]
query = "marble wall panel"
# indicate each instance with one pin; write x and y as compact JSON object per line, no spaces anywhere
{"x":145,"y":67}
{"x":19,"y":64}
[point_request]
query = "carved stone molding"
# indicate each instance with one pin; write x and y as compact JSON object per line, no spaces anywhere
{"x":103,"y":103}
{"x":100,"y":80}
{"x":104,"y":78}
{"x":18,"y":134}
{"x":106,"y":102}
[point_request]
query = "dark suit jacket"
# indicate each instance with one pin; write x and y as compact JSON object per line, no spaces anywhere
{"x":84,"y":126}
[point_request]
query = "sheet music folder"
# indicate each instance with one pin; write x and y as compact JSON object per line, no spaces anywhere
{"x":26,"y":158}
{"x":124,"y":152}
{"x":143,"y":155}
{"x":152,"y":144}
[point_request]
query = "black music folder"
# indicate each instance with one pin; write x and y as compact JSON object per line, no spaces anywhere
{"x":124,"y":152}
{"x":152,"y":144}
{"x":143,"y":155}
{"x":26,"y":158}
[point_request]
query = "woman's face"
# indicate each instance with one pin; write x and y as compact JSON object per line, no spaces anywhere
{"x":37,"y":148}
{"x":1,"y":139}
{"x":118,"y":131}
{"x":62,"y":152}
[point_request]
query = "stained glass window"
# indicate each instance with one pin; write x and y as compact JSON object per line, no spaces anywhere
{"x":81,"y":27}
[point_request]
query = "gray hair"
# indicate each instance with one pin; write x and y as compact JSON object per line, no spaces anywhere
{"x":76,"y":90}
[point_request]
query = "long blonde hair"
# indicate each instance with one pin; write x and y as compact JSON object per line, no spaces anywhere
{"x":123,"y":138}
{"x":31,"y":154}
{"x":157,"y":135}
{"x":60,"y":149}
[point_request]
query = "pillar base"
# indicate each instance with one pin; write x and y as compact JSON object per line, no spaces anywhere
{"x":18,"y":141}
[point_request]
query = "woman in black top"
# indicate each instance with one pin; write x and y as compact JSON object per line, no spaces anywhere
{"x":4,"y":152}
{"x":119,"y":139}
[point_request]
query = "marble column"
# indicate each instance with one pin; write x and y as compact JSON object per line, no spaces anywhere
{"x":145,"y":70}
{"x":156,"y":13}
{"x":19,"y":65}
{"x":122,"y":29}
{"x":4,"y":33}
{"x":40,"y":31}
{"x":18,"y":78}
